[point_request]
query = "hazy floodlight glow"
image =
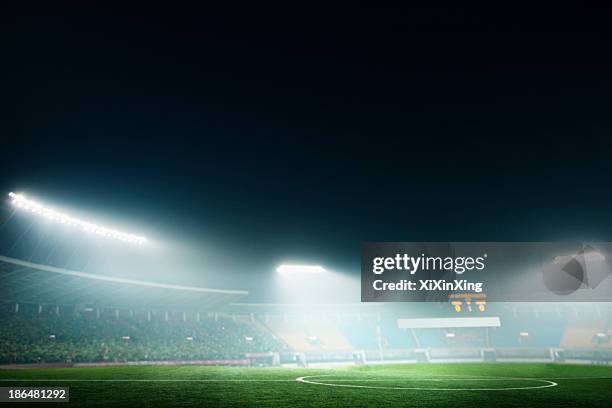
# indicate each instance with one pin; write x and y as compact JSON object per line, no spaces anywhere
{"x":19,"y":201}
{"x":299,"y":269}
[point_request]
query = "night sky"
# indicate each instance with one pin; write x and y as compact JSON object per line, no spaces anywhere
{"x":296,"y":133}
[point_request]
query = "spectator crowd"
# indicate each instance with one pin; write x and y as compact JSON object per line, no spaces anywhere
{"x":32,"y":337}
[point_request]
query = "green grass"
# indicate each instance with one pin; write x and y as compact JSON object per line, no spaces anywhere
{"x":246,"y":387}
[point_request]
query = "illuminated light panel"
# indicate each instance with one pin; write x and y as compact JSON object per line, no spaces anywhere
{"x":299,"y":269}
{"x":19,"y":201}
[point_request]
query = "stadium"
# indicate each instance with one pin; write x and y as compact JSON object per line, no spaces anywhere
{"x":291,"y":205}
{"x":90,"y":330}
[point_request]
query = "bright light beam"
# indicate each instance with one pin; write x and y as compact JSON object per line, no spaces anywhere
{"x":299,"y":269}
{"x":19,"y":201}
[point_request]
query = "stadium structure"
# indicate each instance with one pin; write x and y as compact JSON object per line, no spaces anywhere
{"x":73,"y":320}
{"x":57,"y":316}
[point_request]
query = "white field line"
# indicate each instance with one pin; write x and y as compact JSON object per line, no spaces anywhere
{"x":547,"y":384}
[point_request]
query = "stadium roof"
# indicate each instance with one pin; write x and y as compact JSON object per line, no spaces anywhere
{"x":27,"y":282}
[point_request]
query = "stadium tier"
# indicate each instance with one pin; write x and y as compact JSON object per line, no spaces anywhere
{"x":72,"y":334}
{"x":27,"y":282}
{"x":77,"y":336}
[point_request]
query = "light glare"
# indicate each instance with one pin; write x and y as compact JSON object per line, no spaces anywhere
{"x":19,"y":201}
{"x":299,"y":269}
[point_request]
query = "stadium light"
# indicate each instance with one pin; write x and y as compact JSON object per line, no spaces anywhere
{"x":19,"y":201}
{"x":299,"y":269}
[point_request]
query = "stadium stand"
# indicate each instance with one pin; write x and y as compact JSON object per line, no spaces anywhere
{"x":393,"y":337}
{"x":308,"y":333}
{"x":537,"y":332}
{"x":54,"y":315}
{"x":359,"y":332}
{"x":72,"y":337}
{"x":583,"y":332}
{"x":51,"y":314}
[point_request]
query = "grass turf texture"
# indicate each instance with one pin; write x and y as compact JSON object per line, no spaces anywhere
{"x":185,"y":386}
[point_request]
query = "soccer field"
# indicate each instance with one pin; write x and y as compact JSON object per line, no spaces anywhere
{"x":433,"y":385}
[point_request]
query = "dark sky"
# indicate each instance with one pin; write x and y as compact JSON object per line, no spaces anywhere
{"x":295,"y":132}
